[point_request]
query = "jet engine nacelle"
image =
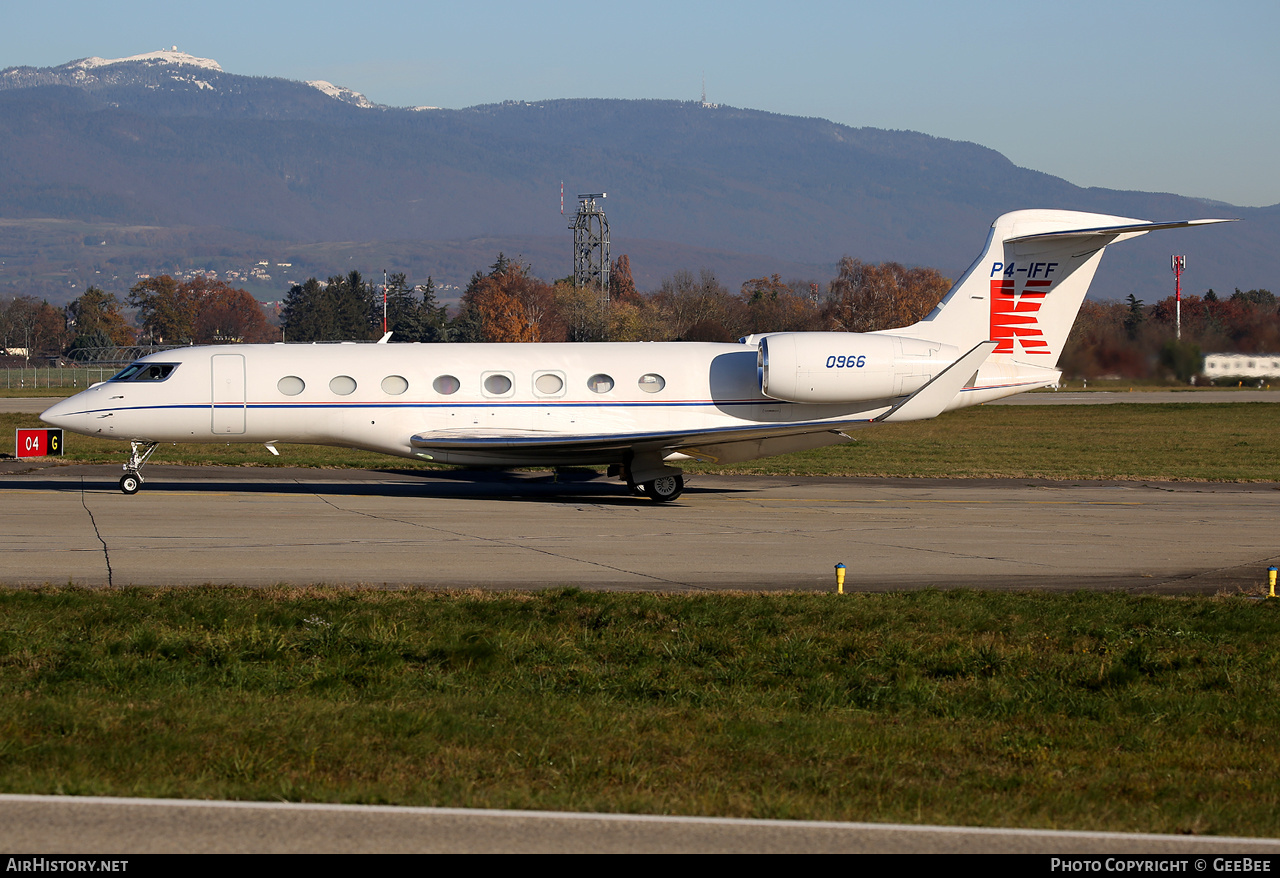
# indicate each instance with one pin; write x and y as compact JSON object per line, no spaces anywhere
{"x":838,"y":367}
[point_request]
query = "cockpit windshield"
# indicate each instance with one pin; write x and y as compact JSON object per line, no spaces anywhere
{"x":144,"y":372}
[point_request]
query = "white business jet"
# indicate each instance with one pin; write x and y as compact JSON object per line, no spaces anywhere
{"x":636,"y":407}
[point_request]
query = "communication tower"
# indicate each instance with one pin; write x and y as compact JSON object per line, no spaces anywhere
{"x":591,"y":246}
{"x":1179,"y":264}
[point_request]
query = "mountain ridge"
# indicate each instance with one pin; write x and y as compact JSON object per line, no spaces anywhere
{"x":154,"y":141}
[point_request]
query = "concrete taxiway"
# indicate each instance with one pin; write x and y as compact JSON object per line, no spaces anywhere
{"x":66,"y":824}
{"x":247,"y":526}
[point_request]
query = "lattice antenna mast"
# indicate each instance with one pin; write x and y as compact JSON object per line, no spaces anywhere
{"x":591,"y":246}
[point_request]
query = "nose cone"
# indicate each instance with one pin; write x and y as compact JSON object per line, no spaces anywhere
{"x":68,"y":414}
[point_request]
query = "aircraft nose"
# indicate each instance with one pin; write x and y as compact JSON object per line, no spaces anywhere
{"x":68,"y":414}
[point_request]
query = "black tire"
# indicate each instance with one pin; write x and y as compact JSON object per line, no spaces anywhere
{"x":665,"y":489}
{"x":130,"y":483}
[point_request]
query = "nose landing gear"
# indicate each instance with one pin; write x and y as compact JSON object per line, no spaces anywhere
{"x":131,"y":481}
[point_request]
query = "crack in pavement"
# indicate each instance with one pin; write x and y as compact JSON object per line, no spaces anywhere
{"x":106,"y":554}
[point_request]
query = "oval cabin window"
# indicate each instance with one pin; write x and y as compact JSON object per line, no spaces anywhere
{"x":291,"y":385}
{"x":446,"y":384}
{"x":652,"y":382}
{"x":600,"y":383}
{"x":497,"y":385}
{"x":548,"y":384}
{"x":343,"y":385}
{"x":394,"y":385}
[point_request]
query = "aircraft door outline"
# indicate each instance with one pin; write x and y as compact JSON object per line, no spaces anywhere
{"x":228,"y":400}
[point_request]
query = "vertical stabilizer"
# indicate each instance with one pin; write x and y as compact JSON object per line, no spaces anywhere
{"x":1026,"y":288}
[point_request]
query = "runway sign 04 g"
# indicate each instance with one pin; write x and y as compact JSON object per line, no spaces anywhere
{"x":37,"y":443}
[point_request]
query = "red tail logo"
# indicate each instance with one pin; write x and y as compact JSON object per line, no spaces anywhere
{"x":1014,"y":321}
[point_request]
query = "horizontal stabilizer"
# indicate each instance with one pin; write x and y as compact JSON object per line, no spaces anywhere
{"x":1112,"y":231}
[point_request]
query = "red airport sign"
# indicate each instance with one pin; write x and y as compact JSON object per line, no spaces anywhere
{"x":37,"y":443}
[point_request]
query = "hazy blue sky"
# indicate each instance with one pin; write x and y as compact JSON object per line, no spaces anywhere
{"x":1171,"y":96}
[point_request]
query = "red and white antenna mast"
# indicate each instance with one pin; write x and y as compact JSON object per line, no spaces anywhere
{"x":1179,"y":265}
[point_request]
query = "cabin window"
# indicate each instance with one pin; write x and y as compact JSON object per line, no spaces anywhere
{"x":291,"y":385}
{"x":446,"y":384}
{"x":600,"y":383}
{"x":144,"y":372}
{"x":126,"y":373}
{"x":497,"y":384}
{"x":394,"y":385}
{"x":343,"y":385}
{"x":154,"y":372}
{"x":549,"y":384}
{"x":652,"y":382}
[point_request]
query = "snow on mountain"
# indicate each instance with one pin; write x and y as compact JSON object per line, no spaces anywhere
{"x":153,"y":70}
{"x":339,"y":93}
{"x":161,"y":56}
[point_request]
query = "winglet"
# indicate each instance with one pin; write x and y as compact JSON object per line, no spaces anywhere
{"x":932,"y":399}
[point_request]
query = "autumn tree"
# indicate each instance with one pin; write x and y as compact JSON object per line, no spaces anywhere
{"x":507,"y":305}
{"x":1099,"y":344}
{"x":866,"y":297}
{"x":33,"y":326}
{"x":48,"y":334}
{"x":199,"y":311}
{"x":166,"y":310}
{"x":697,"y":309}
{"x":96,"y":321}
{"x":622,"y":287}
{"x":581,"y":314}
{"x":17,"y":323}
{"x":227,"y":314}
{"x":773,"y":306}
{"x":1246,"y":323}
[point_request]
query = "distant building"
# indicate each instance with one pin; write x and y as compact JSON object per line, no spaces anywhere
{"x":1242,"y":365}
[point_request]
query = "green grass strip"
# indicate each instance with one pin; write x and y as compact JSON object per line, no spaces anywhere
{"x":1085,"y":711}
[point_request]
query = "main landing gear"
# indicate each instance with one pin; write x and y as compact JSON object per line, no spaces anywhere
{"x":667,"y":484}
{"x":665,"y":488}
{"x":131,"y":481}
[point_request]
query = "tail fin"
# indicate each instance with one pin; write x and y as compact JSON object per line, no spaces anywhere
{"x":1025,"y":289}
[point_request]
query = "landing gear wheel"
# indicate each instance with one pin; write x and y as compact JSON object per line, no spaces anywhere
{"x":130,"y":483}
{"x":665,"y":489}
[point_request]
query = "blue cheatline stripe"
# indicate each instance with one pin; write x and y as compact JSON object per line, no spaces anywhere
{"x":498,"y":403}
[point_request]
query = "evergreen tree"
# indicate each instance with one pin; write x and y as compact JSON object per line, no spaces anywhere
{"x":433,"y":321}
{"x":1134,"y":319}
{"x":352,"y":302}
{"x":337,"y":310}
{"x":401,"y":308}
{"x":306,"y":315}
{"x":468,"y":326}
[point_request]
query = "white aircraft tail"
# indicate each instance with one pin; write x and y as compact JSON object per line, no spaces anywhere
{"x":1026,"y":288}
